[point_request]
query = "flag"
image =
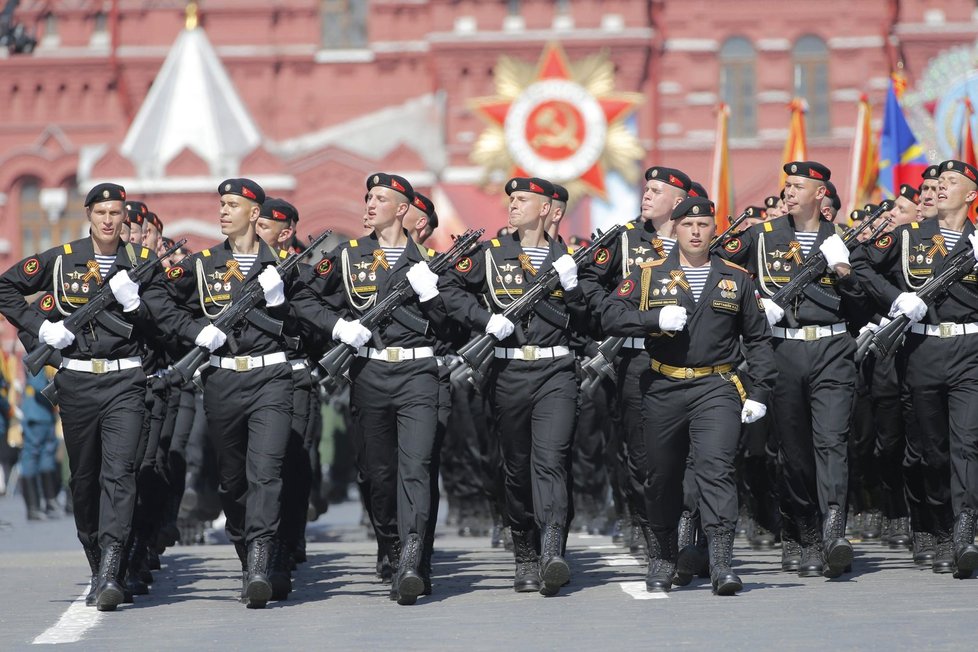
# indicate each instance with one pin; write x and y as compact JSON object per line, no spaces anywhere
{"x":863,"y":159}
{"x":721,"y":186}
{"x":795,"y":148}
{"x":902,"y":158}
{"x":966,"y":147}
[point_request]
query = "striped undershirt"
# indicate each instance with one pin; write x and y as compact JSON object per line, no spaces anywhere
{"x":392,"y":254}
{"x":696,"y":277}
{"x":245,"y":261}
{"x":806,"y":239}
{"x":537,"y":255}
{"x":950,"y":238}
{"x":667,"y":244}
{"x":104,"y":263}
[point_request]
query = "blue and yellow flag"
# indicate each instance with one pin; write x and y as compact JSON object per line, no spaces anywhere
{"x":902,"y":158}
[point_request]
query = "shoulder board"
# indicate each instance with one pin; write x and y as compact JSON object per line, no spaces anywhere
{"x":768,"y":227}
{"x":734,"y":265}
{"x":283,"y":254}
{"x":352,"y":243}
{"x":630,"y":225}
{"x":206,"y":253}
{"x":915,"y":225}
{"x":67,"y":247}
{"x":143,"y":253}
{"x":651,"y":263}
{"x":495,"y":242}
{"x":570,"y":250}
{"x":431,"y":252}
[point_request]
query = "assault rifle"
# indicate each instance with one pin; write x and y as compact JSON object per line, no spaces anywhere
{"x":95,"y":310}
{"x":336,"y":363}
{"x":241,"y":309}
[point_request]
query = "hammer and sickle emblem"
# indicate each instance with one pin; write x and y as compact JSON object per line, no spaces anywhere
{"x":558,"y":128}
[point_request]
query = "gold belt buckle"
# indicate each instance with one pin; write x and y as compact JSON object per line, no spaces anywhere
{"x":242,"y":363}
{"x":98,"y":365}
{"x":530,"y":352}
{"x":946,"y":330}
{"x":811,"y":333}
{"x":394,"y":353}
{"x":689,"y":373}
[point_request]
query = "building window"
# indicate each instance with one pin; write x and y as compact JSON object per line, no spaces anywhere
{"x":344,"y":23}
{"x":51,"y":38}
{"x":737,"y":86}
{"x":31,"y":215}
{"x":812,"y":82}
{"x":100,"y":32}
{"x":513,"y":7}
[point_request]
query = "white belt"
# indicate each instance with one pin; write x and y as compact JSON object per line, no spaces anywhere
{"x":808,"y":333}
{"x":532,"y":352}
{"x":299,"y":365}
{"x":396,"y":353}
{"x":100,"y":365}
{"x":248,"y":362}
{"x":634,"y":343}
{"x":944,"y":329}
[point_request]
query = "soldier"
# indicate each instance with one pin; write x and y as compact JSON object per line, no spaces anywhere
{"x":40,"y":475}
{"x":421,"y":219}
{"x":152,"y":231}
{"x":101,"y":384}
{"x":812,"y":400}
{"x":691,"y":310}
{"x":394,"y":383}
{"x":927,"y":206}
{"x":136,"y":214}
{"x":831,"y":204}
{"x":774,"y":205}
{"x":937,"y":358}
{"x":248,"y":384}
{"x":533,"y":386}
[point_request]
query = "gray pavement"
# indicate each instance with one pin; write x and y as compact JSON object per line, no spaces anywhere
{"x":885,"y":604}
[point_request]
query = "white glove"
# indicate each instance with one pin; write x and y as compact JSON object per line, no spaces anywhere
{"x":871,"y":327}
{"x":500,"y":327}
{"x":55,"y":335}
{"x":423,"y":281}
{"x":835,"y":251}
{"x":909,"y":304}
{"x":351,"y":333}
{"x":672,"y":318}
{"x":973,"y":239}
{"x":772,"y":311}
{"x":273,"y":286}
{"x":567,"y":271}
{"x":211,"y":338}
{"x":125,"y":291}
{"x":753,"y":411}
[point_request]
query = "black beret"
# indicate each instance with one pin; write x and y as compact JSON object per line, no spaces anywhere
{"x":560,"y":193}
{"x":244,"y":188}
{"x":671,"y":176}
{"x":137,"y":207}
{"x":535,"y":185}
{"x":869,"y":208}
{"x":809,"y":169}
{"x":833,"y":194}
{"x":279,"y":210}
{"x":105,"y":192}
{"x":756,"y":211}
{"x":392,"y":181}
{"x":697,"y":190}
{"x":694,"y":206}
{"x":910,"y":193}
{"x":932,"y":172}
{"x":155,"y":220}
{"x":858,"y":215}
{"x":426,"y":206}
{"x":964,"y":169}
{"x":772,"y":201}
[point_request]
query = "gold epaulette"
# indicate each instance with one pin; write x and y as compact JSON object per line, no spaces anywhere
{"x":352,"y":243}
{"x":431,"y":252}
{"x":67,"y":247}
{"x":734,"y":265}
{"x":495,"y":242}
{"x":651,"y":263}
{"x":206,"y":253}
{"x":143,"y":253}
{"x":915,"y":225}
{"x":630,"y":225}
{"x":283,"y":254}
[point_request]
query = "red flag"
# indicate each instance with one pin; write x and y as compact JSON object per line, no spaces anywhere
{"x":721,"y":185}
{"x":795,"y":148}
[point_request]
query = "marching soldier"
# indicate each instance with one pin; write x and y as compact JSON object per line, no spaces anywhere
{"x":691,"y":310}
{"x":135,"y":217}
{"x":533,"y":380}
{"x":152,"y":231}
{"x":812,"y":400}
{"x":101,"y":384}
{"x":937,"y":358}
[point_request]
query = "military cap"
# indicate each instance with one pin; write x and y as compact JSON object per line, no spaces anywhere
{"x":105,"y":192}
{"x":672,"y":176}
{"x":392,"y":181}
{"x":426,"y":206}
{"x":695,"y":206}
{"x":772,"y":201}
{"x":155,"y":220}
{"x":244,"y":188}
{"x":869,"y":208}
{"x":133,"y":206}
{"x":535,"y":185}
{"x":808,"y":169}
{"x":858,"y":215}
{"x":932,"y":172}
{"x":964,"y":169}
{"x":758,"y":212}
{"x":833,"y":194}
{"x":560,"y":193}
{"x":910,"y":192}
{"x":279,"y":210}
{"x":697,"y":190}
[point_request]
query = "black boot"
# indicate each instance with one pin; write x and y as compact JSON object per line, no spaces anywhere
{"x":109,"y":593}
{"x":663,"y":552}
{"x":725,"y":581}
{"x":385,"y":570}
{"x":790,"y":554}
{"x":259,"y":588}
{"x":923,"y":548}
{"x":686,"y":563}
{"x":137,"y":555}
{"x":94,"y":557}
{"x":838,"y":550}
{"x":32,"y":497}
{"x":242,"y":552}
{"x":943,"y":552}
{"x":872,"y":525}
{"x":900,"y":532}
{"x":393,"y":556}
{"x":965,"y":551}
{"x":527,"y":577}
{"x":811,"y":548}
{"x":279,"y":575}
{"x":553,"y":568}
{"x":408,"y":584}
{"x":636,"y":540}
{"x":51,"y":487}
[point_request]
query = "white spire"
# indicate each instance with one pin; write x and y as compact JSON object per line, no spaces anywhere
{"x":192,"y":104}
